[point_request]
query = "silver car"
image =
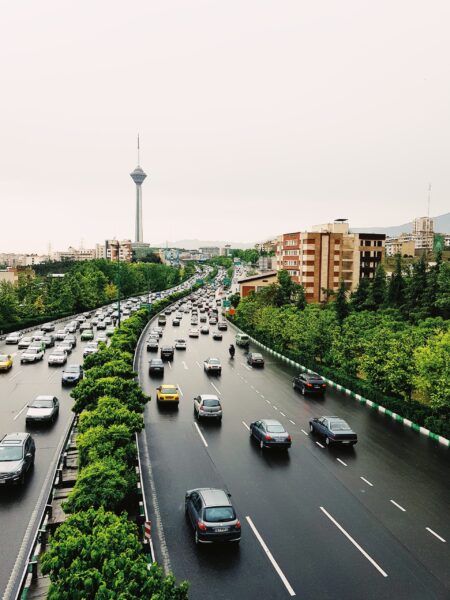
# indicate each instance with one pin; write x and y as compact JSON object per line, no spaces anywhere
{"x":43,"y":409}
{"x":57,"y":357}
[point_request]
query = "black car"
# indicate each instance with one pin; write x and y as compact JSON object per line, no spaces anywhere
{"x":212,"y":516}
{"x":48,"y":327}
{"x":255,"y":359}
{"x":17,"y":451}
{"x":270,"y":433}
{"x":72,"y":374}
{"x":334,"y":430}
{"x":48,"y":340}
{"x":176,"y":322}
{"x":156,"y":367}
{"x":167,"y":352}
{"x":309,"y":383}
{"x":217,"y":335}
{"x":152,"y":345}
{"x":222,"y":326}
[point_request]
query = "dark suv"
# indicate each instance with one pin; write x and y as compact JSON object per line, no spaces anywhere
{"x":167,"y":353}
{"x":309,"y":383}
{"x":212,"y":516}
{"x":17,"y":452}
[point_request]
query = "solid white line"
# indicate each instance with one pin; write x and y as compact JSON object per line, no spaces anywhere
{"x":245,"y":425}
{"x":398,"y":505}
{"x":271,"y":558}
{"x":435,"y":534}
{"x":20,"y":412}
{"x":291,"y":421}
{"x":366,"y":481}
{"x":218,"y":391}
{"x":281,"y":413}
{"x":303,"y":431}
{"x":185,"y":365}
{"x":342,"y":462}
{"x":201,"y":435}
{"x":170,"y":366}
{"x":319,"y":444}
{"x":180,"y":390}
{"x":354,"y":542}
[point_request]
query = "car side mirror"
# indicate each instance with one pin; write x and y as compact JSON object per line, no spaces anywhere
{"x":28,"y":455}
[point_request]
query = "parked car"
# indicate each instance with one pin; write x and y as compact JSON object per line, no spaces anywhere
{"x":17,"y":452}
{"x":6,"y":362}
{"x":167,"y":352}
{"x":72,"y":374}
{"x":167,"y":394}
{"x":213,"y":366}
{"x":156,"y":366}
{"x":270,"y":433}
{"x":207,"y":406}
{"x":31,"y":355}
{"x":58,"y":356}
{"x":334,"y":430}
{"x":212,"y":516}
{"x":309,"y":383}
{"x":255,"y":359}
{"x":180,"y":344}
{"x":43,"y":409}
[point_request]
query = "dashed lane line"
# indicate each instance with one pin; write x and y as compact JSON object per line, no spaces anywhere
{"x":201,"y":435}
{"x":282,"y":413}
{"x":319,"y":444}
{"x":366,"y":481}
{"x":435,"y":534}
{"x":180,"y":390}
{"x":217,"y":390}
{"x":291,"y":421}
{"x":245,"y":425}
{"x":184,"y":365}
{"x":20,"y":412}
{"x":342,"y":462}
{"x":303,"y":431}
{"x":398,"y":505}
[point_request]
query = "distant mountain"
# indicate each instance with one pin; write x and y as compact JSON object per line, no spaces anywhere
{"x":196,"y":244}
{"x":441,"y":225}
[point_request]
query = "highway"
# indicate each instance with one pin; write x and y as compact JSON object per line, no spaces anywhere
{"x":317,"y":522}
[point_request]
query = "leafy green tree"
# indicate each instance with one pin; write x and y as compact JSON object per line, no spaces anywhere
{"x":235,"y":299}
{"x":96,"y":555}
{"x":113,"y":368}
{"x":442,"y":301}
{"x":360,"y":297}
{"x":379,"y":287}
{"x":396,"y":288}
{"x":432,"y":370}
{"x":341,"y":304}
{"x":88,"y":391}
{"x":110,"y":411}
{"x":107,"y":354}
{"x":98,"y":443}
{"x":301,"y":298}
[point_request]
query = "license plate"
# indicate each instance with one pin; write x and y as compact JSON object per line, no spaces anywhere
{"x":346,"y":442}
{"x":220,"y":529}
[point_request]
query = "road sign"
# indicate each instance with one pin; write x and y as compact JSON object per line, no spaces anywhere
{"x":226,"y":303}
{"x":147,"y":530}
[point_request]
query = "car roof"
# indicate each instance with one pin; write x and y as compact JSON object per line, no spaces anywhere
{"x":271,"y":422}
{"x":44,"y":398}
{"x":208,"y":397}
{"x":168,"y":385}
{"x":214,"y":497}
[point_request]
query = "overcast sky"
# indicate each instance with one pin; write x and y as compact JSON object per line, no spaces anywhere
{"x":255,"y":116}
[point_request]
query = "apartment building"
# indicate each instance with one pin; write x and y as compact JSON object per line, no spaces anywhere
{"x":318,"y":259}
{"x":118,"y":250}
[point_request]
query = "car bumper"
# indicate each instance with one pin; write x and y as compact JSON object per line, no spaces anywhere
{"x":10,"y":480}
{"x":69,"y":381}
{"x":208,"y":415}
{"x":218,"y":538}
{"x":282,"y":445}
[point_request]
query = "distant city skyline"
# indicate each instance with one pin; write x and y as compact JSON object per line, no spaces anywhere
{"x":254,"y":119}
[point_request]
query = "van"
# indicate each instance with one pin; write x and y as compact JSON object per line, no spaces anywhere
{"x":242,"y":340}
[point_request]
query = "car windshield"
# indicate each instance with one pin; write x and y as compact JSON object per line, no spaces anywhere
{"x":8,"y":454}
{"x":211,"y":403}
{"x":156,"y":362}
{"x":3,"y":357}
{"x":32,"y":351}
{"x":58,"y":353}
{"x":169,"y":390}
{"x":214,"y":361}
{"x":218,"y":514}
{"x":338,"y":426}
{"x":275,"y":428}
{"x":72,"y":369}
{"x":41,"y":404}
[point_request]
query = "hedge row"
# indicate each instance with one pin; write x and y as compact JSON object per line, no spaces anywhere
{"x":96,"y":552}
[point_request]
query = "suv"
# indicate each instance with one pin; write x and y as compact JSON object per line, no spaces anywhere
{"x":242,"y":340}
{"x":167,"y":353}
{"x":161,"y":320}
{"x":17,"y":452}
{"x":310,"y":383}
{"x":212,"y":516}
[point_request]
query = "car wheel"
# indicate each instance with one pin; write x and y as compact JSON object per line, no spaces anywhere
{"x":327,"y":441}
{"x":22,"y":479}
{"x":311,"y":428}
{"x":303,"y":390}
{"x":293,"y":385}
{"x":261,"y":445}
{"x":197,"y":541}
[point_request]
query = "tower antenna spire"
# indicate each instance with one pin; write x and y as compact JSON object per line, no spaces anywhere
{"x":138,"y":152}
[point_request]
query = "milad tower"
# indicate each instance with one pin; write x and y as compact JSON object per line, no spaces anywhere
{"x":138,"y":176}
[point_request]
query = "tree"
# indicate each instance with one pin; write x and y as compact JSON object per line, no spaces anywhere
{"x":301,"y":298}
{"x":110,"y":411}
{"x":96,"y":555}
{"x":341,"y":305}
{"x":379,"y":287}
{"x":88,"y":391}
{"x":98,"y":443}
{"x":432,"y":370}
{"x":416,"y":291}
{"x":396,"y":289}
{"x":442,"y":302}
{"x":235,"y":299}
{"x":361,"y":296}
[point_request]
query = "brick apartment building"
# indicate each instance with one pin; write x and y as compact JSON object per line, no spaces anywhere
{"x":319,"y":258}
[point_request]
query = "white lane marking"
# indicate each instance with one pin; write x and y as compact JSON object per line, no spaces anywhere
{"x":14,"y":376}
{"x":245,"y":380}
{"x":354,"y":542}
{"x":398,"y":505}
{"x":248,"y":368}
{"x":366,"y":481}
{"x":201,"y":435}
{"x":268,"y":401}
{"x":435,"y":534}
{"x":291,"y":421}
{"x":245,"y":425}
{"x":342,"y":462}
{"x":198,"y":364}
{"x":319,"y":444}
{"x":185,"y":365}
{"x":170,"y":366}
{"x":217,"y":390}
{"x":263,"y":397}
{"x":252,"y":387}
{"x":281,"y":413}
{"x":271,"y":558}
{"x":303,"y":431}
{"x":180,"y":390}
{"x":275,"y":407}
{"x":20,"y":412}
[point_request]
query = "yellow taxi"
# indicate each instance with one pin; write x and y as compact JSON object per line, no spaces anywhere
{"x":167,"y":394}
{"x":6,"y":362}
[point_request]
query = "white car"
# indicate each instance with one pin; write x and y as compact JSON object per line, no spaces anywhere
{"x":212,"y":365}
{"x":180,"y":344}
{"x":194,"y":333}
{"x":31,"y":355}
{"x":43,"y":409}
{"x":64,"y":345}
{"x":57,"y":357}
{"x":91,"y":348}
{"x":61,"y":334}
{"x":13,"y":338}
{"x":110,"y":330}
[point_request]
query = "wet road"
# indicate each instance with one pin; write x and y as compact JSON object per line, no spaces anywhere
{"x":317,"y":522}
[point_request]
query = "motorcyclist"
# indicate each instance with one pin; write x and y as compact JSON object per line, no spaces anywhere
{"x":232,"y":350}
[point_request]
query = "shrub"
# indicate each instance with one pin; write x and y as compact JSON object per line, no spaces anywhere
{"x":88,"y":391}
{"x":110,"y":411}
{"x":99,"y":442}
{"x":113,"y":368}
{"x":105,"y":355}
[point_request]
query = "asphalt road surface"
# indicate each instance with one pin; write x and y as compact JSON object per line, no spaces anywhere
{"x":367,"y":522}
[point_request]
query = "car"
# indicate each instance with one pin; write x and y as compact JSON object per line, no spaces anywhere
{"x":212,"y":365}
{"x":156,"y":366}
{"x":25,"y":342}
{"x":310,"y":383}
{"x":334,"y":430}
{"x":64,"y":345}
{"x":61,"y":334}
{"x":222,"y":326}
{"x":43,"y":409}
{"x":71,"y":339}
{"x":167,"y":394}
{"x":72,"y":374}
{"x":85,"y":326}
{"x":193,"y":333}
{"x":86,"y":335}
{"x":204,"y":329}
{"x":13,"y":338}
{"x":167,"y":352}
{"x":270,"y":433}
{"x":101,"y":325}
{"x":159,"y":331}
{"x":217,"y":335}
{"x":152,"y":345}
{"x":203,"y":319}
{"x":162,"y":320}
{"x":102,"y":337}
{"x":48,"y":327}
{"x":17,"y":452}
{"x":242,"y":340}
{"x":48,"y":340}
{"x":194,"y":322}
{"x":72,"y":327}
{"x":207,"y":406}
{"x":37,"y":345}
{"x":180,"y":344}
{"x":91,"y":348}
{"x":176,"y":322}
{"x":6,"y":362}
{"x":212,"y":516}
{"x":213,"y":321}
{"x":31,"y":355}
{"x":255,"y":359}
{"x":110,"y":330}
{"x":58,"y":356}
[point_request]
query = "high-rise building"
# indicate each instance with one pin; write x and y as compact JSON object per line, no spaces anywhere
{"x":138,"y":176}
{"x":118,"y":250}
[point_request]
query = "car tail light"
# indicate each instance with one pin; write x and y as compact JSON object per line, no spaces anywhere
{"x":309,"y":385}
{"x":201,"y":525}
{"x":238,"y":524}
{"x":268,"y":438}
{"x":289,"y":439}
{"x":324,"y":385}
